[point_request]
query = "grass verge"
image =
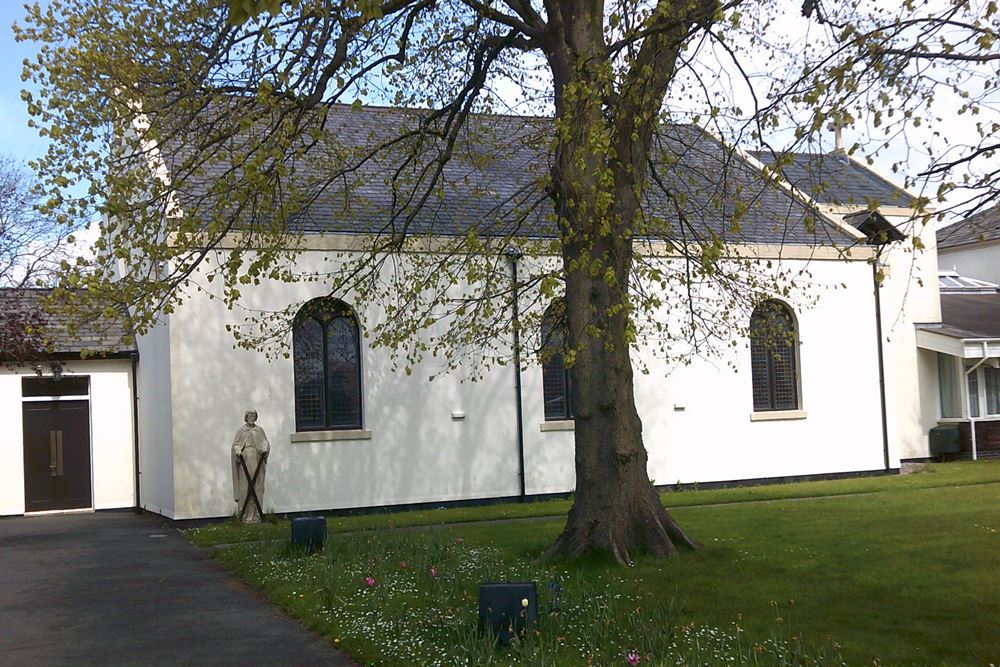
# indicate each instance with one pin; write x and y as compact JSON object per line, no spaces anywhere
{"x":900,"y":574}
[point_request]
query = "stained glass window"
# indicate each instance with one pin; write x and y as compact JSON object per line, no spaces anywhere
{"x":326,"y":351}
{"x":773,"y":358}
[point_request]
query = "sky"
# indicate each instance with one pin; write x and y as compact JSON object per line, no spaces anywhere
{"x":16,"y":138}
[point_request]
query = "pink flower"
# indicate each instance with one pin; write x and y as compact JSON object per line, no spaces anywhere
{"x":369,"y":581}
{"x":403,"y":565}
{"x":434,"y":570}
{"x":458,"y":540}
{"x":632,"y":658}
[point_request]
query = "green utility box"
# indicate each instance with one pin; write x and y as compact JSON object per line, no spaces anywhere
{"x":944,"y":439}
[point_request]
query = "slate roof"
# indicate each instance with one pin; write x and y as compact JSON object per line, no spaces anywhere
{"x":834,"y":178}
{"x":101,"y":338}
{"x":968,"y":316}
{"x":492,"y":184}
{"x":981,"y":227}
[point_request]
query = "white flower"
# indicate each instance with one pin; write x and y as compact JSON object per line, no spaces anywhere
{"x":524,"y":603}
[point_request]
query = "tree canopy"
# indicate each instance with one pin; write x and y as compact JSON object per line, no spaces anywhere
{"x":32,"y":248}
{"x":211,"y":135}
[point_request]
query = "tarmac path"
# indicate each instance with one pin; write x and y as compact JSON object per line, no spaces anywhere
{"x":116,"y":588}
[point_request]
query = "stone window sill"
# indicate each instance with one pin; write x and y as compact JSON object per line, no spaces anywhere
{"x":327,"y":436}
{"x":558,"y":425}
{"x":777,"y":415}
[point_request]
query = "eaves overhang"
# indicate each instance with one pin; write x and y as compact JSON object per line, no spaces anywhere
{"x":957,"y":343}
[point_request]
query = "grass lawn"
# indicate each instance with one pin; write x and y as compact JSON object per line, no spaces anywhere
{"x":899,"y":570}
{"x":951,"y":474}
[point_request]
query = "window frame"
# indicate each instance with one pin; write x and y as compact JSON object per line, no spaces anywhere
{"x":977,"y":385}
{"x":333,"y":309}
{"x":772,"y":379}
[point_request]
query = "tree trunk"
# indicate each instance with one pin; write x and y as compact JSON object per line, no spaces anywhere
{"x":605,"y":120}
{"x":616,"y":508}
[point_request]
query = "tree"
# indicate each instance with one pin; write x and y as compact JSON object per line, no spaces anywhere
{"x":246,"y":91}
{"x":31,"y":247}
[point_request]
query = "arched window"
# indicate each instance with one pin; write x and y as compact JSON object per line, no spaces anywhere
{"x":774,"y":344}
{"x":326,"y":350}
{"x":556,"y":384}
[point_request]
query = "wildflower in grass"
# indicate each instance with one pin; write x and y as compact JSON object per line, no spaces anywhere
{"x":458,"y":540}
{"x":369,"y":581}
{"x":434,"y":570}
{"x":632,"y":658}
{"x":403,"y":565}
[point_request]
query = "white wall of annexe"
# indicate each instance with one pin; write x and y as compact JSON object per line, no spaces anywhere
{"x":698,"y":419}
{"x":156,"y":451}
{"x":111,"y":433}
{"x":910,"y":295}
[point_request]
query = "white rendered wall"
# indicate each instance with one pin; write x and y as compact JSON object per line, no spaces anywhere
{"x":981,"y":260}
{"x":930,"y":399}
{"x":418,"y":453}
{"x":11,"y":443}
{"x":112,"y":460}
{"x":910,"y":295}
{"x":697,"y":418}
{"x":156,"y":447}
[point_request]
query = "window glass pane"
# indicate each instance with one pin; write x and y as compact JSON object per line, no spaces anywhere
{"x":307,"y":353}
{"x":554,"y":388}
{"x":974,"y":394}
{"x":760,"y":374}
{"x":948,"y":384}
{"x":992,"y":382}
{"x":785,"y":387}
{"x":72,"y":385}
{"x":343,"y":373}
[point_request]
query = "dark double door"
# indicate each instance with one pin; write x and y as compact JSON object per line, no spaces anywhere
{"x":56,"y":455}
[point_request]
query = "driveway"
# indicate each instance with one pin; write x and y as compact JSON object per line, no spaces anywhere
{"x":120,"y":589}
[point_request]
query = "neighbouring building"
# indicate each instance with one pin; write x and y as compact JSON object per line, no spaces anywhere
{"x":972,"y":246}
{"x":966,"y":340}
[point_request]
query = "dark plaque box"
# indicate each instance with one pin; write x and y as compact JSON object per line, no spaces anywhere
{"x":502,"y":611}
{"x":309,"y":532}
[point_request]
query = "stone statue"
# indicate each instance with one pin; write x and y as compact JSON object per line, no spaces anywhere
{"x":249,"y":458}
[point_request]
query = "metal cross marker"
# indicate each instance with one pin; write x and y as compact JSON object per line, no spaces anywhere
{"x":252,"y":490}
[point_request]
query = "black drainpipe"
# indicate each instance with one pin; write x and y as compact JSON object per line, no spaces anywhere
{"x":881,"y":359}
{"x":513,"y":256}
{"x":135,"y":429}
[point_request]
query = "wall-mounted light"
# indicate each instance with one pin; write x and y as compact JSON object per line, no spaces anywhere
{"x":57,"y":370}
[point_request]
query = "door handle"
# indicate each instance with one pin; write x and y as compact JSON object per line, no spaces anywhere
{"x":59,"y":453}
{"x":56,"y":453}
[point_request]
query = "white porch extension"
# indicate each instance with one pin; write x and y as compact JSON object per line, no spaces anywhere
{"x":967,"y":345}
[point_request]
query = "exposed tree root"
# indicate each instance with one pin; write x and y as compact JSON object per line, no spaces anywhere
{"x":641,"y":526}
